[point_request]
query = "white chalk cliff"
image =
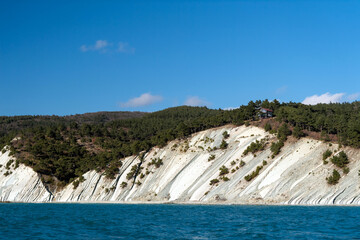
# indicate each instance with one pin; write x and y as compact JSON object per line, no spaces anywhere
{"x":296,"y":176}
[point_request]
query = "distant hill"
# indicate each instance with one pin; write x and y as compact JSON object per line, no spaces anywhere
{"x":16,"y":123}
{"x":103,"y":117}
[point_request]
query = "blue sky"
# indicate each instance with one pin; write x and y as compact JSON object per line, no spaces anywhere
{"x":68,"y":57}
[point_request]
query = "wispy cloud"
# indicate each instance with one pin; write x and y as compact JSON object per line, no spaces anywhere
{"x":353,"y":97}
{"x":324,"y":98}
{"x":125,"y":48}
{"x":104,"y":46}
{"x":281,"y":90}
{"x":331,"y":98}
{"x":100,"y":45}
{"x":195,"y":101}
{"x":145,"y":99}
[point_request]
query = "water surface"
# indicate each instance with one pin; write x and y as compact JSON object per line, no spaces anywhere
{"x":123,"y":221}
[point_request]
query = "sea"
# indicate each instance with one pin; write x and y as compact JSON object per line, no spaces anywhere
{"x":171,"y":221}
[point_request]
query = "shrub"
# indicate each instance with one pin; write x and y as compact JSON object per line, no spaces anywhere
{"x":157,"y":162}
{"x":340,"y":160}
{"x":123,"y":184}
{"x":226,"y":135}
{"x":224,"y":144}
{"x":211,"y":157}
{"x":75,"y":184}
{"x":346,"y":170}
{"x":242,"y":163}
{"x":283,"y":132}
{"x":267,"y":127}
{"x":8,"y":164}
{"x":223,"y":170}
{"x":132,"y":172}
{"x":276,"y":147}
{"x":82,"y":179}
{"x":253,"y":174}
{"x":326,"y":154}
{"x":17,"y":162}
{"x":225,"y":178}
{"x":173,"y":148}
{"x":214,"y":181}
{"x":111,"y":171}
{"x":233,"y":163}
{"x":255,"y":147}
{"x":298,"y":133}
{"x":334,"y":178}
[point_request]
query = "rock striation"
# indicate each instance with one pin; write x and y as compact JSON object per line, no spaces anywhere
{"x":182,"y":171}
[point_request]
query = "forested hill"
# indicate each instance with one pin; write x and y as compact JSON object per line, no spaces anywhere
{"x":18,"y":123}
{"x":63,"y":148}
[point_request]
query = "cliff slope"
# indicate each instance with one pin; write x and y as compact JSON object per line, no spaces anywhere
{"x":182,"y":171}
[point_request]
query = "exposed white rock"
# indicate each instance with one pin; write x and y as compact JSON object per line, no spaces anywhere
{"x":296,"y":176}
{"x":20,"y":184}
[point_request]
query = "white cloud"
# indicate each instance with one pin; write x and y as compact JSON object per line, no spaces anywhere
{"x":125,"y":48}
{"x":103,"y":46}
{"x":195,"y":101}
{"x":84,"y":48}
{"x":353,"y":97}
{"x":324,"y":98}
{"x":229,"y":108}
{"x":100,"y":45}
{"x":144,"y":100}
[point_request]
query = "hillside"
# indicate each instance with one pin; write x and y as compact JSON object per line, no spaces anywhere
{"x":198,"y":170}
{"x":15,"y":123}
{"x":63,"y":149}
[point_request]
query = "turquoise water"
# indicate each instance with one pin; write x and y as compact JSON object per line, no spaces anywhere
{"x":118,"y":221}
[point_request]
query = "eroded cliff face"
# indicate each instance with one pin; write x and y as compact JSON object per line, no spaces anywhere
{"x":296,"y":176}
{"x":20,"y":183}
